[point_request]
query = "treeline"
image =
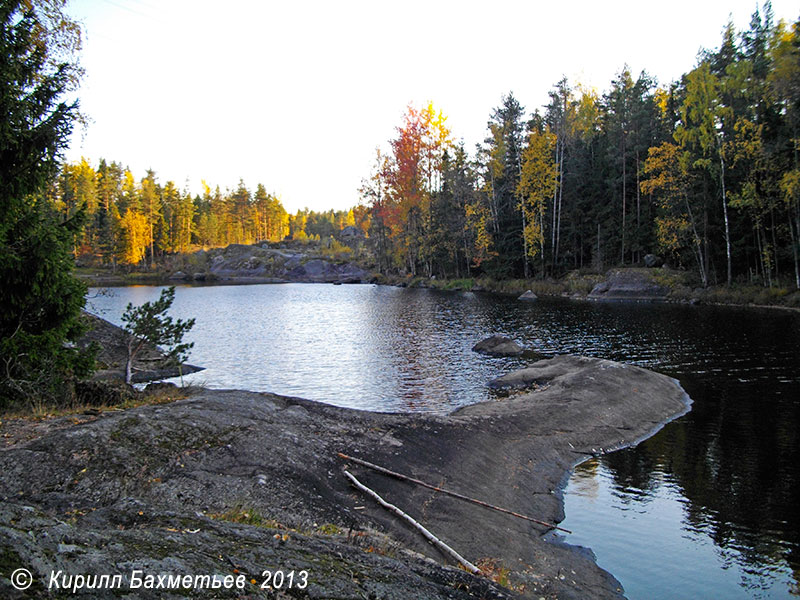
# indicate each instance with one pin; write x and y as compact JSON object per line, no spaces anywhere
{"x":309,"y":224}
{"x":136,"y":222}
{"x":703,"y":171}
{"x":130,"y":221}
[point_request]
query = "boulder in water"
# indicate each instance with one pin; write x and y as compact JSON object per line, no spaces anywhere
{"x":498,"y":345}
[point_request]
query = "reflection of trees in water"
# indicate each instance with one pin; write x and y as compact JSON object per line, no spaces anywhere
{"x":424,"y":338}
{"x":736,"y":458}
{"x":585,"y":481}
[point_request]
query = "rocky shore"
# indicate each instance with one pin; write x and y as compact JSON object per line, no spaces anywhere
{"x":284,"y":262}
{"x":629,"y":285}
{"x":232,"y":483}
{"x":296,"y":262}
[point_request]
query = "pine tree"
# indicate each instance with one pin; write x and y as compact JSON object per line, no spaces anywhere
{"x":150,"y":324}
{"x":502,"y":165}
{"x":40,"y":299}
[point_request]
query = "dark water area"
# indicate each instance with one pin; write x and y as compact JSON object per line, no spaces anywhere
{"x":706,"y":508}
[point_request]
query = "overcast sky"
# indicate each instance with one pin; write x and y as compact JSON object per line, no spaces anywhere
{"x":296,"y":95}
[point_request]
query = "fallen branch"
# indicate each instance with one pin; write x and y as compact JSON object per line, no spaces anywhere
{"x":448,"y":492}
{"x":428,"y":535}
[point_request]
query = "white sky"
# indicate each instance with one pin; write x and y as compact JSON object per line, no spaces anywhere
{"x":297,"y":94}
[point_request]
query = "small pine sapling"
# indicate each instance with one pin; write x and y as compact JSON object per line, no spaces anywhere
{"x":150,"y":324}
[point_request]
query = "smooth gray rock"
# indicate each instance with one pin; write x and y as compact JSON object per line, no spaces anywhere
{"x":651,"y":261}
{"x":629,"y":285}
{"x":150,"y":487}
{"x":250,"y":264}
{"x":498,"y":345}
{"x":350,"y":234}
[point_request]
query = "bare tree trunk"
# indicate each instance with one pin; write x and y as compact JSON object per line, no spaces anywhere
{"x":555,"y":201}
{"x":793,"y":236}
{"x":774,"y":242}
{"x":441,"y":490}
{"x":761,"y":253}
{"x":624,"y":204}
{"x":697,"y":246}
{"x":638,"y":211}
{"x":494,"y":208}
{"x":524,"y":224}
{"x":541,"y":243}
{"x":795,"y":232}
{"x":725,"y":213}
{"x":129,"y":361}
{"x":706,"y":252}
{"x":560,"y":196}
{"x":598,"y":258}
{"x":524,"y":246}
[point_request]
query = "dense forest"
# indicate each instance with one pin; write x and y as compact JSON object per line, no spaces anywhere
{"x":703,"y":172}
{"x":132,"y":222}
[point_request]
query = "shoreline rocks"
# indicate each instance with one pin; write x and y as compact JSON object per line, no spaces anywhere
{"x":165,"y":487}
{"x":263,"y":264}
{"x":629,"y":285}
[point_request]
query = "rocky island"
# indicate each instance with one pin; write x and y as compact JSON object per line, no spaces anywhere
{"x":234,"y":483}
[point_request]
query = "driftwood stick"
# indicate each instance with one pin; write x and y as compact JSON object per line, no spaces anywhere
{"x":402,"y":477}
{"x":428,"y":535}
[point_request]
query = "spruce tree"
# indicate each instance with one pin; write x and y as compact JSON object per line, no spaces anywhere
{"x":40,"y":299}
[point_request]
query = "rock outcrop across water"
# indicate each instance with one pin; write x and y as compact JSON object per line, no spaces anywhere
{"x":232,"y":482}
{"x":241,"y":263}
{"x":630,"y":285}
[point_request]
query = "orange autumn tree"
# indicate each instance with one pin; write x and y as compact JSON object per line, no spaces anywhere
{"x":411,"y":175}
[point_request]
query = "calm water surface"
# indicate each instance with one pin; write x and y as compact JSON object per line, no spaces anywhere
{"x":707,"y":508}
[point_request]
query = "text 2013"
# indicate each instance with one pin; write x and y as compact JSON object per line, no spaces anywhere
{"x":278,"y":580}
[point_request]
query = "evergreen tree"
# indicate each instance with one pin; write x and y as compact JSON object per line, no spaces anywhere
{"x":150,"y":200}
{"x":502,"y":165}
{"x":40,"y":299}
{"x":150,"y":324}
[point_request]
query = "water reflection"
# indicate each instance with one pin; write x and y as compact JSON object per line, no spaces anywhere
{"x":707,"y":508}
{"x":725,"y":476}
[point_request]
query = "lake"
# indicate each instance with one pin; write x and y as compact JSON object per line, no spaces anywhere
{"x":706,"y":508}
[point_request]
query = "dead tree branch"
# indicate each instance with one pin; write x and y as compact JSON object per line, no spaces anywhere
{"x":428,"y":535}
{"x":402,"y":477}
